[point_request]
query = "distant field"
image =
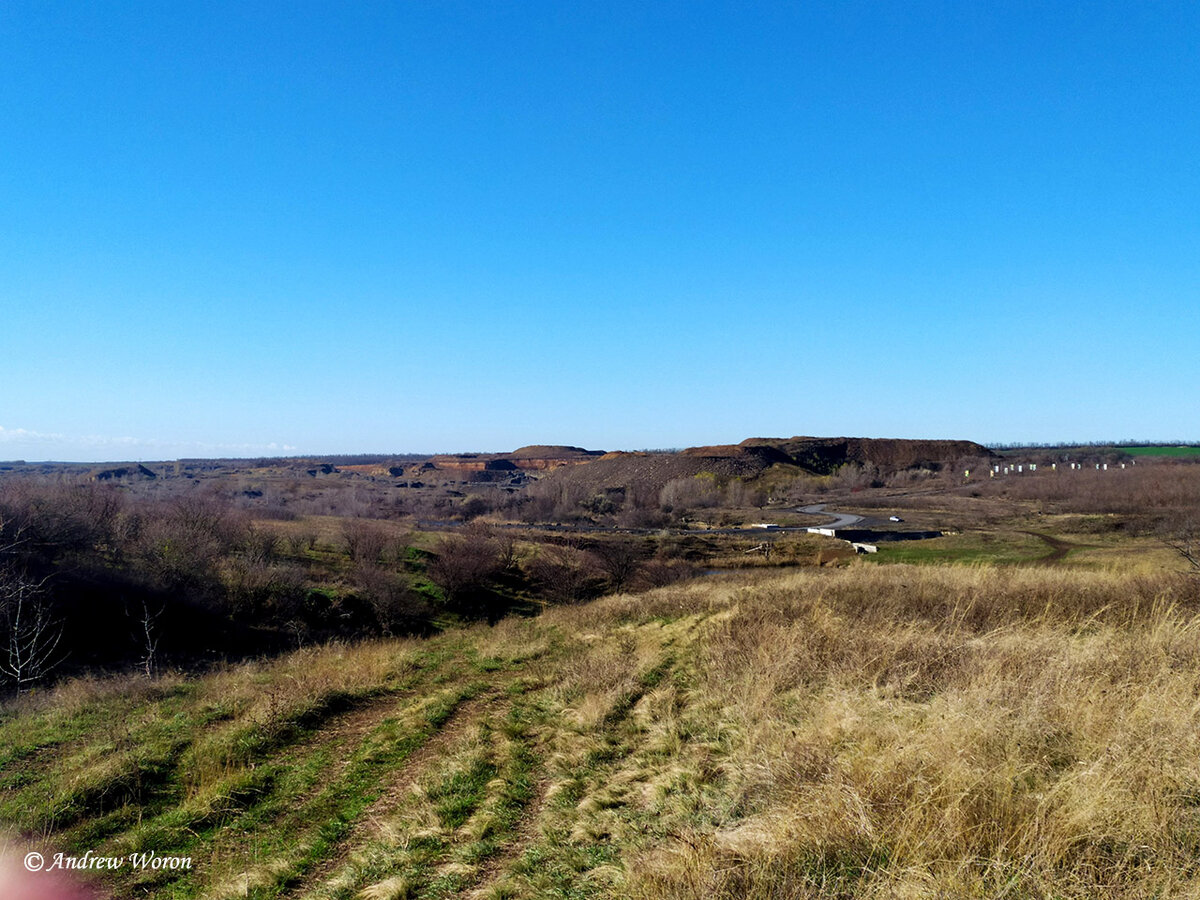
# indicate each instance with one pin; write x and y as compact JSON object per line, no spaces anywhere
{"x":1162,"y":451}
{"x":995,"y":548}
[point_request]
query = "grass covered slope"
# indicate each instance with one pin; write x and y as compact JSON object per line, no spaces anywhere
{"x":871,"y":731}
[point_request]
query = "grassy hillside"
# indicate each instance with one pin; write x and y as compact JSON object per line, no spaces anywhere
{"x":870,"y":731}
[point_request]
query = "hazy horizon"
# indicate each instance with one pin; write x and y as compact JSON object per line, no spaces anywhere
{"x":993,"y":445}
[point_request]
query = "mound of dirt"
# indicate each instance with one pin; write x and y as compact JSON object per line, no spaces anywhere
{"x":644,"y":474}
{"x":537,"y":451}
{"x":764,"y":453}
{"x":526,"y":458}
{"x":824,"y":455}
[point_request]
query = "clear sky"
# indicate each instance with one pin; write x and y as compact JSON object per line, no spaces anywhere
{"x":268,"y":228}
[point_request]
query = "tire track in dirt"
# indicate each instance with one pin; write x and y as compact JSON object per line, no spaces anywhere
{"x":494,"y":867}
{"x":492,"y":871}
{"x":339,"y":735}
{"x":354,"y":723}
{"x":466,"y":715}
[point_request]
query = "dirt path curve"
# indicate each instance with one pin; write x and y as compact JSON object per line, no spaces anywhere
{"x":341,"y":732}
{"x":1058,"y":548}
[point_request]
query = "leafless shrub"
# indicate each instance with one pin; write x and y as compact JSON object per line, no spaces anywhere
{"x":463,"y":563}
{"x":31,"y":632}
{"x":739,"y":494}
{"x":856,"y":476}
{"x":364,"y":541}
{"x":642,"y":517}
{"x":261,"y":545}
{"x":257,"y":590}
{"x":659,"y":572}
{"x":395,"y":552}
{"x":301,"y":541}
{"x":554,"y":500}
{"x":179,"y":546}
{"x":59,"y":517}
{"x":567,"y":574}
{"x":618,"y":559}
{"x":690,"y":493}
{"x":206,"y":518}
{"x":397,"y":608}
{"x":1184,"y":539}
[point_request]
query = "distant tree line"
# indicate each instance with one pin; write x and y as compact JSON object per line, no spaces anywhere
{"x":1089,"y":445}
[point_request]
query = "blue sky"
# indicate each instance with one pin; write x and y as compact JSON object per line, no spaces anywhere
{"x":270,"y":228}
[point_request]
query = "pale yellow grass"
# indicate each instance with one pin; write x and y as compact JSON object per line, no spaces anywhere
{"x":947,"y":732}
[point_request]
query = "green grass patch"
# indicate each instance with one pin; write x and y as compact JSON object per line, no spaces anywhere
{"x":1004,"y":548}
{"x":1184,"y":450}
{"x":457,"y":796}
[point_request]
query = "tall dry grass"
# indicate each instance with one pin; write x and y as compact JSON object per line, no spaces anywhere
{"x":910,"y":731}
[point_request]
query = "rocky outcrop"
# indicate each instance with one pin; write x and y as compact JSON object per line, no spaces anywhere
{"x":529,"y":459}
{"x":472,"y":462}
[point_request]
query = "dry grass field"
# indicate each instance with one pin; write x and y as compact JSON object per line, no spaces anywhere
{"x":863,"y":731}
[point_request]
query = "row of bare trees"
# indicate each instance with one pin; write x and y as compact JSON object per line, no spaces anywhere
{"x":104,"y":576}
{"x":96,"y":577}
{"x":470,"y":565}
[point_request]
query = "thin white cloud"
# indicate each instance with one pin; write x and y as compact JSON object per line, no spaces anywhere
{"x":94,"y":446}
{"x":14,"y":435}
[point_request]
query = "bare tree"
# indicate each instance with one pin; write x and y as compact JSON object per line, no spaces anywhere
{"x":31,"y":633}
{"x":464,"y":563}
{"x":13,"y":535}
{"x":1185,"y":540}
{"x":566,"y":573}
{"x":364,"y":541}
{"x":619,"y":559}
{"x":148,"y":636}
{"x":506,"y":549}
